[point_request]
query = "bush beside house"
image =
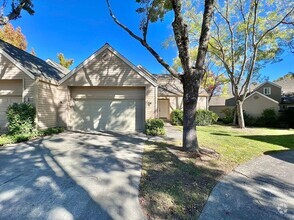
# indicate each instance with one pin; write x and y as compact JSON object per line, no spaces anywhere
{"x":21,"y":124}
{"x":155,"y":127}
{"x":203,"y":117}
{"x":269,"y":118}
{"x":21,"y":118}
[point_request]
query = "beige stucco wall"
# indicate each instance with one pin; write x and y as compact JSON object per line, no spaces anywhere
{"x":8,"y":70}
{"x":107,"y":69}
{"x":256,"y":104}
{"x":52,"y":105}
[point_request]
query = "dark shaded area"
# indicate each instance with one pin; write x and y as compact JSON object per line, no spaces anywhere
{"x":73,"y":176}
{"x":263,"y":192}
{"x":220,"y":134}
{"x":284,"y":155}
{"x":171,"y":188}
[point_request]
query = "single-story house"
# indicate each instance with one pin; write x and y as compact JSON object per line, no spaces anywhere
{"x":267,"y":95}
{"x":170,"y":95}
{"x":105,"y":92}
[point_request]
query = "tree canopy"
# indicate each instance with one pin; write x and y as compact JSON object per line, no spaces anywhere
{"x":245,"y":36}
{"x":13,"y":36}
{"x":64,"y":61}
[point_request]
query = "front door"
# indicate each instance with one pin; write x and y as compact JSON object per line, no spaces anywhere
{"x":163,"y":108}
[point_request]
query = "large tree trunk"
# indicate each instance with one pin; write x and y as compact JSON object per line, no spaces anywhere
{"x":241,"y":122}
{"x":191,"y":89}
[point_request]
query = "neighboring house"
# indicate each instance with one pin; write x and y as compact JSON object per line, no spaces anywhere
{"x":170,"y":95}
{"x":105,"y":92}
{"x":58,"y":66}
{"x":287,"y":85}
{"x":218,"y":104}
{"x":267,"y":95}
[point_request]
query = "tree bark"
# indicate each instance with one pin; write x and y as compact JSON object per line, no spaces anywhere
{"x":241,"y":122}
{"x":190,"y":141}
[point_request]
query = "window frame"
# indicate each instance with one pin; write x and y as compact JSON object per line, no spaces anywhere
{"x":267,"y":90}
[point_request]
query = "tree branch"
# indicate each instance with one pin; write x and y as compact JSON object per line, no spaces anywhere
{"x":275,"y":26}
{"x":180,"y":29}
{"x":15,"y":13}
{"x":144,"y":43}
{"x":204,"y":36}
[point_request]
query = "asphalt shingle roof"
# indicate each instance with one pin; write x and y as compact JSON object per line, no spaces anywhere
{"x":31,"y":63}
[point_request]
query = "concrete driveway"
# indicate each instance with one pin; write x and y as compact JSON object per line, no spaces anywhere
{"x":72,"y":176}
{"x":259,"y":189}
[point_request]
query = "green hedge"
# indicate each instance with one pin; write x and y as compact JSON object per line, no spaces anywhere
{"x":177,"y":117}
{"x":268,"y":118}
{"x":286,"y":119}
{"x":155,"y":127}
{"x":203,"y":117}
{"x":229,"y":115}
{"x":21,"y":118}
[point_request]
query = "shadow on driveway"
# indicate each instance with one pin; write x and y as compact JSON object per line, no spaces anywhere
{"x":259,"y":189}
{"x":72,"y":175}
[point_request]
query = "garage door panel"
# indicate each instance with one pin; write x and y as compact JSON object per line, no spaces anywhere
{"x":108,"y":93}
{"x":115,"y":115}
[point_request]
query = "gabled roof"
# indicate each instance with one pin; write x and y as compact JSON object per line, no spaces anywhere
{"x":262,"y":95}
{"x":222,"y":101}
{"x":267,"y":82}
{"x":143,"y":69}
{"x":58,"y":66}
{"x":97,"y":53}
{"x":30,"y":64}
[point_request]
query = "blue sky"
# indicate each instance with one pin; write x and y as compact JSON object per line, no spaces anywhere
{"x":79,"y":29}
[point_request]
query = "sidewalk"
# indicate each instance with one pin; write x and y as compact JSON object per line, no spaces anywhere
{"x":262,"y":188}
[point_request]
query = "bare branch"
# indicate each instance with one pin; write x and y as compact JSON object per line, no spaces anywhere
{"x":144,"y":43}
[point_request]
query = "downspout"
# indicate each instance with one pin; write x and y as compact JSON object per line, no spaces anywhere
{"x":36,"y":97}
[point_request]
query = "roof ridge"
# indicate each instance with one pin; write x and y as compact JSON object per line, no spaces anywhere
{"x":29,"y":62}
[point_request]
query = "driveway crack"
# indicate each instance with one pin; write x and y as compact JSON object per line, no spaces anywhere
{"x":13,"y":178}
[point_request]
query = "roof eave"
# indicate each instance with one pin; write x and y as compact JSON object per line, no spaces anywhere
{"x":17,"y":64}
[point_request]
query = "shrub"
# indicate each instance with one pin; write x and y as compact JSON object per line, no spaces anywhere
{"x":229,"y":115}
{"x":21,"y":138}
{"x":155,"y":127}
{"x":51,"y":131}
{"x":21,"y":118}
{"x":268,"y":118}
{"x":248,"y":119}
{"x":205,"y":117}
{"x":177,"y":117}
{"x":286,"y":119}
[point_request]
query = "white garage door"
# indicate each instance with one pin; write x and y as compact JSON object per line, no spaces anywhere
{"x":10,"y":92}
{"x":108,"y":108}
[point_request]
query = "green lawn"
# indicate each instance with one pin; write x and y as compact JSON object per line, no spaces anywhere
{"x":178,"y":189}
{"x":237,"y":146}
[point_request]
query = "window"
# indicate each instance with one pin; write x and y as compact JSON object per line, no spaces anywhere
{"x":267,"y":90}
